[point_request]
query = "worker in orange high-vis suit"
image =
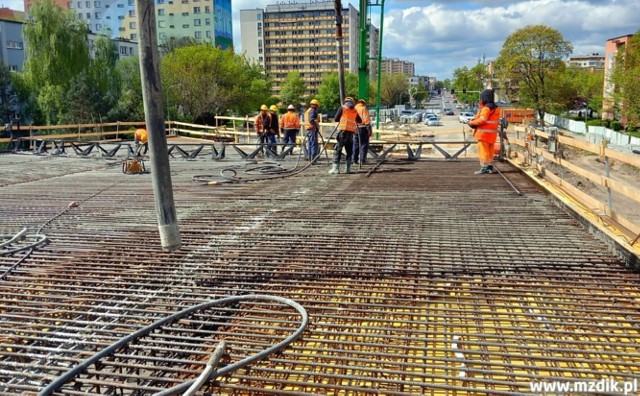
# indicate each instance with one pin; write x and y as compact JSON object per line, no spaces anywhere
{"x":348,"y":120}
{"x":485,"y":125}
{"x":290,"y":125}
{"x":140,"y":139}
{"x":361,"y":139}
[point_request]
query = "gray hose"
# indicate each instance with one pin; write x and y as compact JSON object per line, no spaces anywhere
{"x":206,"y":374}
{"x":70,"y":375}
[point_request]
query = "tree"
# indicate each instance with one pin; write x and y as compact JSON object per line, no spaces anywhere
{"x":528,"y":57}
{"x":172,"y":43}
{"x":329,"y":89}
{"x":394,"y":89}
{"x":6,"y":92}
{"x":626,"y":80}
{"x":56,"y":52}
{"x":207,"y":81}
{"x":129,"y":106}
{"x":293,"y":89}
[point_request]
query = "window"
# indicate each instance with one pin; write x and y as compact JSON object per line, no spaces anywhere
{"x":97,"y":4}
{"x":196,"y":22}
{"x":162,"y":24}
{"x":79,"y":4}
{"x":80,"y":15}
{"x":122,"y":29}
{"x":98,"y":27}
{"x":70,"y":6}
{"x":160,"y":11}
{"x":207,"y":21}
{"x":162,"y":36}
{"x":13,"y":68}
{"x":132,"y":25}
{"x":120,"y":5}
{"x":87,"y":3}
{"x":88,"y":15}
{"x":196,"y":10}
{"x":185,"y":26}
{"x":131,"y":2}
{"x":208,"y":33}
{"x":207,"y":9}
{"x":98,"y":15}
{"x":160,"y":1}
{"x":259,"y":17}
{"x":197,"y":34}
{"x":132,"y":13}
{"x":120,"y":17}
{"x":130,"y":50}
{"x":123,"y":50}
{"x":133,"y":36}
{"x":14,"y":44}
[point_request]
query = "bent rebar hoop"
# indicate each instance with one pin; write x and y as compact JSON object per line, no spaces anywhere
{"x":56,"y":384}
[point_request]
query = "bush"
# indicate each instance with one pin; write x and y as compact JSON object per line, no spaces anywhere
{"x":604,"y":123}
{"x":616,"y":125}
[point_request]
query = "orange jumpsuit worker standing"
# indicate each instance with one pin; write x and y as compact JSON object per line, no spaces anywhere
{"x":348,"y":119}
{"x":485,"y":126}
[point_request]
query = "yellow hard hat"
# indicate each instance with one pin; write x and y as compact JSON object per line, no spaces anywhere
{"x":273,"y":108}
{"x":264,"y":107}
{"x":349,"y":99}
{"x":315,"y":102}
{"x":362,"y":100}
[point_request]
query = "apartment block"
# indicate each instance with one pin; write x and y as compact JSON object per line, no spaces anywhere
{"x":612,"y":47}
{"x":397,"y":66}
{"x":12,"y":43}
{"x":591,"y":61}
{"x":300,"y":37}
{"x":202,"y":20}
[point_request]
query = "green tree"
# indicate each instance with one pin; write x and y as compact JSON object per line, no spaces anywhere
{"x":529,"y":57}
{"x":293,"y":89}
{"x":208,"y":81}
{"x":83,"y":101}
{"x":172,"y":43}
{"x":626,"y":80}
{"x":129,"y":106}
{"x":6,"y":92}
{"x":394,"y":89}
{"x":329,"y":90}
{"x":56,"y":52}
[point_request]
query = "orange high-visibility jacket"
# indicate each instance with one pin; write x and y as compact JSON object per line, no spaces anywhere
{"x":141,"y":135}
{"x":348,"y":120}
{"x":290,"y":120}
{"x":259,"y":124}
{"x":363,"y":112}
{"x":486,"y":123}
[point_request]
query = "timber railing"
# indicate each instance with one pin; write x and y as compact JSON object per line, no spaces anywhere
{"x":539,"y":148}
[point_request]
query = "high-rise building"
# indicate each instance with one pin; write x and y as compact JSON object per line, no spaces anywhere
{"x":300,"y":37}
{"x":612,"y":47}
{"x":12,"y":48}
{"x":397,"y":66}
{"x":204,"y":21}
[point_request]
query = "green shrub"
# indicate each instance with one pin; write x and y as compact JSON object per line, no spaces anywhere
{"x":597,"y":122}
{"x":616,"y":125}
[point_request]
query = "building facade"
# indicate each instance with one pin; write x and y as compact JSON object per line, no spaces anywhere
{"x":12,"y":43}
{"x":397,"y":66}
{"x":592,"y":61}
{"x":205,"y":21}
{"x":612,"y":47}
{"x":300,"y":37}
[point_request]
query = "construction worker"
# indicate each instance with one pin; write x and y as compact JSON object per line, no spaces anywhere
{"x":485,"y":125}
{"x":348,"y":120}
{"x":274,"y":129}
{"x":140,"y":139}
{"x":290,"y":125}
{"x":312,"y":128}
{"x":361,"y":140}
{"x":262,"y":125}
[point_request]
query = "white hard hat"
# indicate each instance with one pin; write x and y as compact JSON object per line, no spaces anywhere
{"x":290,"y":107}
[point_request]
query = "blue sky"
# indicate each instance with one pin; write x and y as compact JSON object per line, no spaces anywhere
{"x":442,"y":35}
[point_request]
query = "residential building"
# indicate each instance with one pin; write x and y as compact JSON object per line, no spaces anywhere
{"x":202,"y":20}
{"x":300,"y":37}
{"x":397,"y":66}
{"x":591,"y":61}
{"x":612,"y":47}
{"x":12,"y":48}
{"x":125,"y":47}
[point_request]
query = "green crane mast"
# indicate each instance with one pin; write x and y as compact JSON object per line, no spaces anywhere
{"x":363,"y":59}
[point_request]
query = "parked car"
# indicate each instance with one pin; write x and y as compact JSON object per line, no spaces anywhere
{"x":465,"y":116}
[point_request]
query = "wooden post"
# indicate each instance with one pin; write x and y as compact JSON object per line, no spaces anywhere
{"x":154,"y":118}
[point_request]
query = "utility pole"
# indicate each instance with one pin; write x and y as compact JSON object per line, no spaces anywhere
{"x":338,"y":6}
{"x":154,"y":118}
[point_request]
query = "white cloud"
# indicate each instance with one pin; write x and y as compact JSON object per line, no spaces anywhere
{"x":17,"y":5}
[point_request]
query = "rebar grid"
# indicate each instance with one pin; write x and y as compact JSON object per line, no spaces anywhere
{"x":422,"y":279}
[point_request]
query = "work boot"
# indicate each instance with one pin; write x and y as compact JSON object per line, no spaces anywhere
{"x":335,"y":169}
{"x":491,"y":169}
{"x":348,"y":167}
{"x":483,"y":170}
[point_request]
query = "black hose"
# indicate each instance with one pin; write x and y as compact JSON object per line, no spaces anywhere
{"x":70,"y":375}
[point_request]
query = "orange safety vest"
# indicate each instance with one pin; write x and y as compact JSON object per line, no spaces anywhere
{"x":259,"y":124}
{"x":141,"y":135}
{"x":307,"y":123}
{"x":363,"y":112}
{"x":487,"y":123}
{"x":348,"y":120}
{"x":290,"y":120}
